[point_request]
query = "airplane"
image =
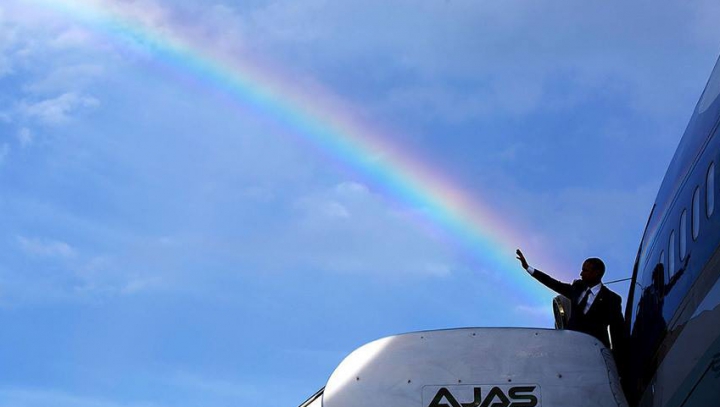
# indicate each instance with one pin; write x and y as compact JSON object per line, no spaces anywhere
{"x":672,"y":321}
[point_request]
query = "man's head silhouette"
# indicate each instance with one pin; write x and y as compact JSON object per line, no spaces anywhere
{"x":592,"y":272}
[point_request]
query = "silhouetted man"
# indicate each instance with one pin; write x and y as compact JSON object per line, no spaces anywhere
{"x":595,"y":307}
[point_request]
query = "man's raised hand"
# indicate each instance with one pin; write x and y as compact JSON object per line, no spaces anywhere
{"x":520,"y":257}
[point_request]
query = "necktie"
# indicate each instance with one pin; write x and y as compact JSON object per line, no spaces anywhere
{"x":584,"y":300}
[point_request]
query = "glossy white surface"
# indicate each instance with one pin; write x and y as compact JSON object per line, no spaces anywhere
{"x":562,"y":368}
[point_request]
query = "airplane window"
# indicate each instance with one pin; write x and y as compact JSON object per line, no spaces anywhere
{"x":683,"y":234}
{"x":710,"y":191}
{"x":696,"y":213}
{"x":671,"y":254}
{"x":662,"y":258}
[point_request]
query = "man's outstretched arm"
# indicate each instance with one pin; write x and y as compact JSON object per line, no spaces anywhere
{"x":555,"y":285}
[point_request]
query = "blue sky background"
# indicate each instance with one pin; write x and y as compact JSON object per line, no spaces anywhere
{"x":160,"y":246}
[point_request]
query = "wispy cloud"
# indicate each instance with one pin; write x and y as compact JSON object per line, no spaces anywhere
{"x":353,"y":230}
{"x":70,"y":78}
{"x":438,"y":269}
{"x":25,"y":137}
{"x":58,"y":110}
{"x":350,"y":188}
{"x":46,"y":247}
{"x":72,"y":38}
{"x":52,"y":63}
{"x":137,"y":285}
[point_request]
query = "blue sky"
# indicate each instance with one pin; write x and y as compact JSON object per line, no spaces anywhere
{"x":160,"y":246}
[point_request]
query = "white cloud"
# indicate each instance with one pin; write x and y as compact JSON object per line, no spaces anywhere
{"x":222,"y":26}
{"x":76,"y":276}
{"x":138,"y":285}
{"x":334,"y":209}
{"x":72,"y":38}
{"x":64,"y":77}
{"x":49,"y":57}
{"x":46,"y":247}
{"x":102,"y":276}
{"x":292,"y":22}
{"x":437,"y":269}
{"x":321,"y":208}
{"x":336,"y":203}
{"x":57,"y":110}
{"x":348,"y":229}
{"x":216,"y":28}
{"x":25,"y":137}
{"x":350,"y":188}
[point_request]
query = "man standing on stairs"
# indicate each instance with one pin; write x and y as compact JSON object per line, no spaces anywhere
{"x":595,"y":307}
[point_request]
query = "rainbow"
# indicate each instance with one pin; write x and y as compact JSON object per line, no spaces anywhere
{"x":317,"y":119}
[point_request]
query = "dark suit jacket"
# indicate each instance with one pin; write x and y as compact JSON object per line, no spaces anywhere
{"x":606,"y":310}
